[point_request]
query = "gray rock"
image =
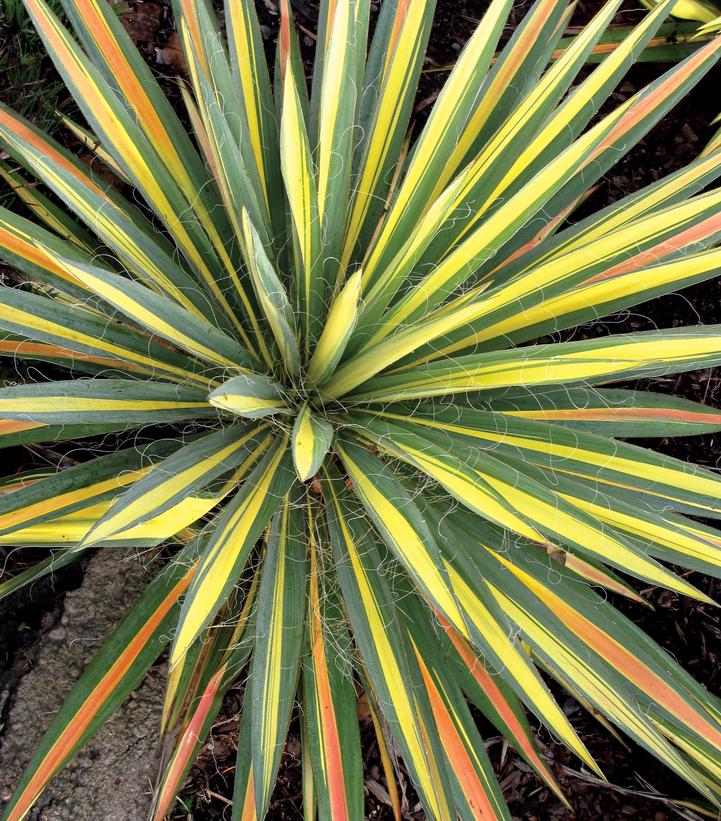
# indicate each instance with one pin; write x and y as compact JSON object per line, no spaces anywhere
{"x":111,"y":778}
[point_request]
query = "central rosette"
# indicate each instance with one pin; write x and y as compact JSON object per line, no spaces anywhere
{"x":254,"y":396}
{"x":295,"y":401}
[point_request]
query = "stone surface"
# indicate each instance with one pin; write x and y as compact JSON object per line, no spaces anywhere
{"x":111,"y":778}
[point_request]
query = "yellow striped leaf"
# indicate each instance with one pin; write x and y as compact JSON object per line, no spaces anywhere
{"x":393,"y":74}
{"x":250,"y":395}
{"x":386,"y":653}
{"x":162,"y":317}
{"x":612,"y":411}
{"x":437,"y":141}
{"x":331,"y":718}
{"x":130,"y":147}
{"x":272,"y":297}
{"x":625,"y":356}
{"x":279,"y":622}
{"x":235,"y":533}
{"x":75,"y":336}
{"x":121,"y":226}
{"x":98,"y":401}
{"x":190,"y":469}
{"x":300,"y":185}
{"x":336,"y":111}
{"x":249,"y":67}
{"x":337,"y":330}
{"x":35,"y":500}
{"x":311,"y":439}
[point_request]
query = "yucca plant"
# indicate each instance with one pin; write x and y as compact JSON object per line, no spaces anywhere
{"x":315,"y":329}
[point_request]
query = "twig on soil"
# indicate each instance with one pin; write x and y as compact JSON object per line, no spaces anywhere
{"x":212,"y":794}
{"x":650,"y":793}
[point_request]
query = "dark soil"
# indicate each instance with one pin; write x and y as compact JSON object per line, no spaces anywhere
{"x":638,"y":784}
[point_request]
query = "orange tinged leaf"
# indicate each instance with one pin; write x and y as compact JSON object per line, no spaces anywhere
{"x":329,"y":726}
{"x":8,"y":426}
{"x":284,"y":39}
{"x":388,"y":771}
{"x":488,"y":685}
{"x":627,"y":664}
{"x":186,"y":746}
{"x":684,"y":239}
{"x":644,"y":108}
{"x":456,"y":750}
{"x":248,"y":811}
{"x":401,"y":12}
{"x":24,"y":133}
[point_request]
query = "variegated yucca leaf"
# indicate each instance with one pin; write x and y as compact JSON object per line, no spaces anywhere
{"x":318,"y":336}
{"x":706,"y":12}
